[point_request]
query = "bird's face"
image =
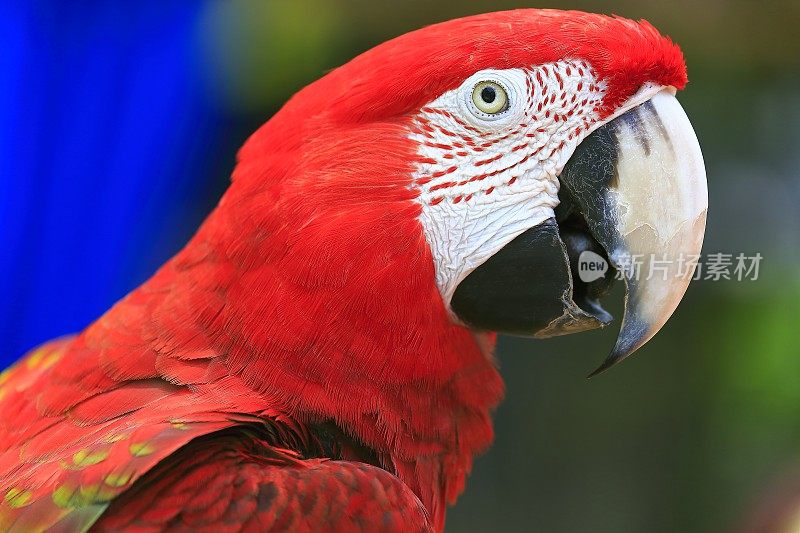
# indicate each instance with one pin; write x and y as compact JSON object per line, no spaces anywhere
{"x":521,"y":179}
{"x":504,"y":165}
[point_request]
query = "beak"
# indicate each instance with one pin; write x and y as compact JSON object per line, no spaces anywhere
{"x":633,"y":204}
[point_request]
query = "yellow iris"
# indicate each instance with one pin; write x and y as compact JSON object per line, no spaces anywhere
{"x":490,"y":97}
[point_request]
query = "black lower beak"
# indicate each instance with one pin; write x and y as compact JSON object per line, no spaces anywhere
{"x":535,"y":267}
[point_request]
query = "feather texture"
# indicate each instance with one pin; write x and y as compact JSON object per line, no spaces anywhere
{"x":234,"y":481}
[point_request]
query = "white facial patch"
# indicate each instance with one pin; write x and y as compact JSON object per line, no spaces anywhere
{"x":484,"y":178}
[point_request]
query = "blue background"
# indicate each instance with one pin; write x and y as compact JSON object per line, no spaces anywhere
{"x":108,"y":141}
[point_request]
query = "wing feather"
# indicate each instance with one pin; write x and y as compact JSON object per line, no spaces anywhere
{"x":234,"y":481}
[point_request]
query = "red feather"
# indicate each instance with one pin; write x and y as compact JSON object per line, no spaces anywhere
{"x":236,"y":482}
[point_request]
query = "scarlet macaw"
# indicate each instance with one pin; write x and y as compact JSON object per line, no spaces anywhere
{"x":319,"y":355}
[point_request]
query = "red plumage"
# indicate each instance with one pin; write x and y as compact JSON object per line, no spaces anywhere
{"x":305,"y":302}
{"x":235,"y":481}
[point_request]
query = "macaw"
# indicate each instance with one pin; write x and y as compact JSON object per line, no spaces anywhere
{"x":319,"y":357}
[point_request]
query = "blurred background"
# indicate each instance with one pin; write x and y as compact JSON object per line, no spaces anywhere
{"x":119,"y":126}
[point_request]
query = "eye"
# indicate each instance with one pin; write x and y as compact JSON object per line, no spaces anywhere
{"x":490,"y":97}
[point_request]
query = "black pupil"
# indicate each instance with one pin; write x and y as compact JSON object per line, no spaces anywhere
{"x":488,"y":94}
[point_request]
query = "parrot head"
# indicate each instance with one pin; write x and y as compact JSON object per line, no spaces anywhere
{"x":492,"y":174}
